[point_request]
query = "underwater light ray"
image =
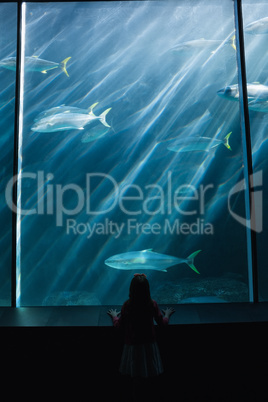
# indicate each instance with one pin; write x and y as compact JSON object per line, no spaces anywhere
{"x":139,"y":241}
{"x":34,"y":20}
{"x":194,"y":178}
{"x":32,"y":255}
{"x":258,"y":126}
{"x":42,"y":104}
{"x":77,"y":245}
{"x":92,"y":267}
{"x":123,"y":55}
{"x":162,"y":97}
{"x":6,"y":103}
{"x":117,"y":94}
{"x":134,"y":17}
{"x":7,"y":90}
{"x":195,"y":123}
{"x":224,"y":43}
{"x":219,"y":200}
{"x":129,"y":179}
{"x":59,"y":150}
{"x":104,"y":81}
{"x":67,"y":264}
{"x":98,"y":265}
{"x":46,"y":45}
{"x":168,"y":90}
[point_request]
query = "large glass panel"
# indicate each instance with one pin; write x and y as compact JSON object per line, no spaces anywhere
{"x":131,"y":156}
{"x":255,"y":15}
{"x":8,"y":46}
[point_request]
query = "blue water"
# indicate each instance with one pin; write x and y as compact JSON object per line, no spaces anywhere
{"x":8,"y":24}
{"x":121,"y":57}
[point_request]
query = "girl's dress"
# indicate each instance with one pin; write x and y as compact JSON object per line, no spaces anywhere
{"x":141,"y":357}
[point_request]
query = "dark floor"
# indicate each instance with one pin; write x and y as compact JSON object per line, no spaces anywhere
{"x":203,"y":362}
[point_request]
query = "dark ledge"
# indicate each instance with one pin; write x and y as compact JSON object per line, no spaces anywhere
{"x":96,"y":316}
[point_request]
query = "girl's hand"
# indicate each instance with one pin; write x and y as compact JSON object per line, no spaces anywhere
{"x":113,"y":312}
{"x":168,"y":312}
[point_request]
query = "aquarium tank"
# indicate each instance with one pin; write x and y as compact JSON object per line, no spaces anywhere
{"x":125,"y":149}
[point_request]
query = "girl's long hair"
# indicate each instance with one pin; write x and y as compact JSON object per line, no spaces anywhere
{"x":139,"y":294}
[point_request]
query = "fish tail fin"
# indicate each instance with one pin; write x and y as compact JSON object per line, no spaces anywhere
{"x":63,"y":65}
{"x":232,"y":41}
{"x":226,"y":141}
{"x":102,"y":117}
{"x":91,"y":108}
{"x":190,"y":261}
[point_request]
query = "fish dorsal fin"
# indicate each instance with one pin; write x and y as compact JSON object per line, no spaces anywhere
{"x":148,"y":249}
{"x":90,"y":109}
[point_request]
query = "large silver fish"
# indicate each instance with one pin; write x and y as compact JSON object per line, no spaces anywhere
{"x":68,"y":121}
{"x":201,"y":44}
{"x":196,"y":44}
{"x":257,"y":95}
{"x":64,"y":109}
{"x":258,"y":105}
{"x":34,"y":63}
{"x":258,"y":27}
{"x":148,"y":259}
{"x":197,"y":144}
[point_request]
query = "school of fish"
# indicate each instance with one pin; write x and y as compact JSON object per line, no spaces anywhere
{"x":64,"y":118}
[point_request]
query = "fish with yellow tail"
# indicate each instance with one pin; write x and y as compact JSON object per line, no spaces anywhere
{"x":69,"y":120}
{"x":148,"y":259}
{"x":202,"y":44}
{"x":191,"y":144}
{"x":34,"y":63}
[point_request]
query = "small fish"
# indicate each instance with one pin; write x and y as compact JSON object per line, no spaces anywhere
{"x":33,"y":63}
{"x":68,"y":121}
{"x":197,"y":144}
{"x":147,"y":259}
{"x":258,"y":27}
{"x":200,"y":121}
{"x":95,"y":133}
{"x":257,"y":95}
